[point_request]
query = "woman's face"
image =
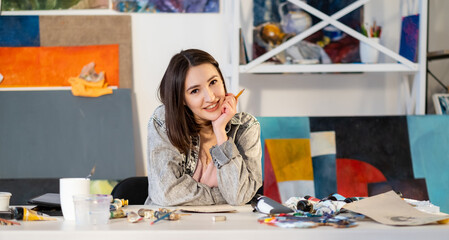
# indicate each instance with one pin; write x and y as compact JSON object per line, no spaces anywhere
{"x":204,"y":92}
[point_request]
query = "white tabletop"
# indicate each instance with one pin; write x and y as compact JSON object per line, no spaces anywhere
{"x":242,"y":224}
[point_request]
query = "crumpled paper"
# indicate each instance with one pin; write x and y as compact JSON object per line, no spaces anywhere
{"x":89,"y":83}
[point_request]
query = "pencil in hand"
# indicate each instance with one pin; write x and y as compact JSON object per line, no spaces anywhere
{"x":240,"y":93}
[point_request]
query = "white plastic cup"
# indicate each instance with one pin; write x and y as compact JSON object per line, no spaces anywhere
{"x":68,"y":187}
{"x":369,"y":54}
{"x":4,"y":201}
{"x":92,"y":209}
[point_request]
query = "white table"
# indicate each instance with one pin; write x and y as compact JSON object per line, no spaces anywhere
{"x":240,"y":225}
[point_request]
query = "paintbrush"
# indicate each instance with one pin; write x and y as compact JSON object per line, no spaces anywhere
{"x":91,"y":172}
{"x":238,"y":94}
{"x":163,"y":216}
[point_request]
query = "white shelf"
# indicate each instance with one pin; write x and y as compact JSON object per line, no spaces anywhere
{"x":414,"y":72}
{"x":330,"y":68}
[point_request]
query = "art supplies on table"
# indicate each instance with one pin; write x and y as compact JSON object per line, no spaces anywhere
{"x":388,"y":208}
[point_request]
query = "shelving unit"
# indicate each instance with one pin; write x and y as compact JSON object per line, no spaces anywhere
{"x":414,"y":73}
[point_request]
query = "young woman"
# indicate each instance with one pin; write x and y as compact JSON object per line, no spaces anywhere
{"x":200,"y":151}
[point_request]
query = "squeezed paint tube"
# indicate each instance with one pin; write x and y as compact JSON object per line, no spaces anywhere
{"x":146,"y":213}
{"x":133,"y":217}
{"x":267,"y":205}
{"x":25,"y":214}
{"x":119,"y":213}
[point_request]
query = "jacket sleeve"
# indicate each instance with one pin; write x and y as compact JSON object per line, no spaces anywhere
{"x":239,"y":165}
{"x":167,"y":184}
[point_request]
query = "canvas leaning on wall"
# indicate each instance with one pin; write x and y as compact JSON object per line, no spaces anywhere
{"x":441,"y":103}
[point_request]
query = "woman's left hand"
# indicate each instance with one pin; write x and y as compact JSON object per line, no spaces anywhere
{"x":228,"y":110}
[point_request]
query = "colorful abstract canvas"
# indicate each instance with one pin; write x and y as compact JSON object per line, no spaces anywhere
{"x":358,"y":156}
{"x":72,"y":32}
{"x":19,"y":5}
{"x":167,"y":6}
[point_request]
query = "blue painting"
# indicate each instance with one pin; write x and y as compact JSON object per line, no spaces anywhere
{"x":19,"y":31}
{"x":409,"y":37}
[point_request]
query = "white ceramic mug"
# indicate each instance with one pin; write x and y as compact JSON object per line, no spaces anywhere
{"x":4,"y":201}
{"x":69,"y":187}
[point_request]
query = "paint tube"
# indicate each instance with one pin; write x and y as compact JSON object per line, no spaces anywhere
{"x":119,"y":213}
{"x":146,"y":213}
{"x":267,"y":205}
{"x":25,"y":214}
{"x":133,"y":217}
{"x":310,"y":198}
{"x":117,"y":204}
{"x":305,"y":205}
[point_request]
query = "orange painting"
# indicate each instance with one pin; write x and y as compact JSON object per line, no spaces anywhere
{"x":53,"y":66}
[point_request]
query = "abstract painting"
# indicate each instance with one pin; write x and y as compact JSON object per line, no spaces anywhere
{"x":67,"y":33}
{"x":409,"y":37}
{"x":357,"y":156}
{"x":18,"y":5}
{"x":167,"y":6}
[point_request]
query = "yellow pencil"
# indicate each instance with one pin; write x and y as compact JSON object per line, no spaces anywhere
{"x":240,"y":93}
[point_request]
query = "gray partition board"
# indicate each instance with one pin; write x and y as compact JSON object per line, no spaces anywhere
{"x":47,"y":134}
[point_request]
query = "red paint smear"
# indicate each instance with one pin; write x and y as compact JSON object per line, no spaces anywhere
{"x":270,"y":186}
{"x":353,"y":177}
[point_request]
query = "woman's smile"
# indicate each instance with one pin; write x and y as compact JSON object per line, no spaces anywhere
{"x":212,"y":107}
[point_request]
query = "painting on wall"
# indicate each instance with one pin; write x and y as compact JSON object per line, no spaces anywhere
{"x":48,"y":50}
{"x":167,"y":6}
{"x":20,"y":5}
{"x":53,"y":66}
{"x":356,"y":156}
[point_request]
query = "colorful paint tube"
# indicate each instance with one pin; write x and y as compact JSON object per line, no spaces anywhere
{"x":25,"y":214}
{"x":119,"y":213}
{"x":313,"y":199}
{"x":117,"y":204}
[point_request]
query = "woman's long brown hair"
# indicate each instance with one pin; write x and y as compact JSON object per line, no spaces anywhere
{"x":179,"y":119}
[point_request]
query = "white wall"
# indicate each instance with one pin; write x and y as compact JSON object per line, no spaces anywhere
{"x":156,"y":37}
